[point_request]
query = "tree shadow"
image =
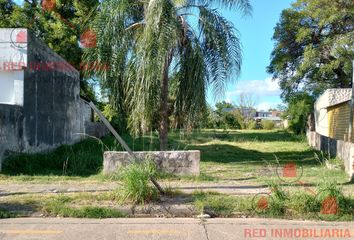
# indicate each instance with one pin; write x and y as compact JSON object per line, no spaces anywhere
{"x":86,"y":158}
{"x":242,"y":136}
{"x":224,"y":153}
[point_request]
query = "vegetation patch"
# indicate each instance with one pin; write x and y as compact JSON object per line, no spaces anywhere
{"x":136,"y":182}
{"x":280,"y":204}
{"x":60,"y":206}
{"x":4,"y":213}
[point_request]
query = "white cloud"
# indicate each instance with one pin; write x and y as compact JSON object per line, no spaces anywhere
{"x":258,"y":88}
{"x":265,"y":106}
{"x":265,"y":93}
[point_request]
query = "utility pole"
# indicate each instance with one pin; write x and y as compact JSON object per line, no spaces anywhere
{"x":351,"y":105}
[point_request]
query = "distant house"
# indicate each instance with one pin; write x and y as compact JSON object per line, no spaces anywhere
{"x":272,"y":116}
{"x":248,"y":113}
{"x":251,"y":113}
{"x":332,"y":113}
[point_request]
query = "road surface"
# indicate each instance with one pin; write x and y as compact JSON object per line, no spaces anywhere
{"x":184,"y":229}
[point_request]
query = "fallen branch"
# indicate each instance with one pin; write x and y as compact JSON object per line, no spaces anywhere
{"x":122,"y":142}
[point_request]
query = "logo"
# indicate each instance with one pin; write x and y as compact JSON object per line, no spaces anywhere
{"x":48,"y":5}
{"x":289,"y":172}
{"x":21,"y":37}
{"x":88,"y":39}
{"x":261,"y":202}
{"x":329,"y":206}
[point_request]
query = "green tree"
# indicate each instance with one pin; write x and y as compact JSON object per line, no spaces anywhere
{"x":221,"y":106}
{"x":300,"y":107}
{"x":60,"y":28}
{"x":314,"y":46}
{"x":152,"y":45}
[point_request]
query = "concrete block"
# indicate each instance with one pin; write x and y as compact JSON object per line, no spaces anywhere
{"x":175,"y":162}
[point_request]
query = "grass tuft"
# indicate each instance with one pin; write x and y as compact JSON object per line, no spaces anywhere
{"x":59,"y":206}
{"x":136,"y":187}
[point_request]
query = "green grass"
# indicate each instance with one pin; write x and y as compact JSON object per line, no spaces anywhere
{"x":4,"y":213}
{"x":136,"y":186}
{"x":298,"y":204}
{"x":246,"y":157}
{"x":60,"y":207}
{"x":280,"y":204}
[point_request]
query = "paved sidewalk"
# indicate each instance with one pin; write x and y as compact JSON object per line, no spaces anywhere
{"x":184,"y":229}
{"x":228,"y":187}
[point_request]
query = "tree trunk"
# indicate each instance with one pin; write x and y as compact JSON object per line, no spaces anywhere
{"x":163,"y":131}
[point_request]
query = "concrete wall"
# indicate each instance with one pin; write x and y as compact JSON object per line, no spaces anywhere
{"x":88,"y":126}
{"x":11,"y":129}
{"x":336,"y":148}
{"x":44,"y":109}
{"x":175,"y":162}
{"x":51,"y":99}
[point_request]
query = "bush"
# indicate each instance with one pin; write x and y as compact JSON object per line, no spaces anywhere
{"x":136,"y":186}
{"x":300,"y":107}
{"x":280,"y":199}
{"x":252,"y":125}
{"x":231,"y":122}
{"x":268,"y":125}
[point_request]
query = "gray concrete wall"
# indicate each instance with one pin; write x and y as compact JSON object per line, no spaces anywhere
{"x":11,"y":129}
{"x":52,"y":113}
{"x":175,"y":162}
{"x":51,"y":99}
{"x":336,"y":148}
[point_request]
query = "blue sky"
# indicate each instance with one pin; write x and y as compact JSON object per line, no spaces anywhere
{"x":256,"y":33}
{"x":256,"y":37}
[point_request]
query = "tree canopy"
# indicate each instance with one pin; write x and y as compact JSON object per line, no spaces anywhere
{"x":163,"y":52}
{"x":313,"y":50}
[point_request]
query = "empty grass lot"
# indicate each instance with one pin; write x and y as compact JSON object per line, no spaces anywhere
{"x":243,"y":157}
{"x":228,"y":158}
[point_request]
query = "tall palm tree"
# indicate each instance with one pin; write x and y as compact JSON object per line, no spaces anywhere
{"x":161,"y":48}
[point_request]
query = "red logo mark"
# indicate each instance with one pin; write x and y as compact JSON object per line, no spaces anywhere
{"x":21,"y":37}
{"x":262,"y":203}
{"x":88,"y":39}
{"x":48,"y":5}
{"x":329,"y":206}
{"x":289,"y":170}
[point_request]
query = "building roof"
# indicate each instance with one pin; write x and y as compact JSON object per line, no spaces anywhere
{"x":333,"y":96}
{"x":268,"y":118}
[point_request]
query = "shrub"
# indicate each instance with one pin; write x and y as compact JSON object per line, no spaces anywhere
{"x":136,"y":185}
{"x":300,"y":107}
{"x":268,"y":125}
{"x":280,"y":199}
{"x":252,"y":125}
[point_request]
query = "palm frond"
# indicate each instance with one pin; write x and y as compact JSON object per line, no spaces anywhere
{"x":241,"y":5}
{"x":222,"y":48}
